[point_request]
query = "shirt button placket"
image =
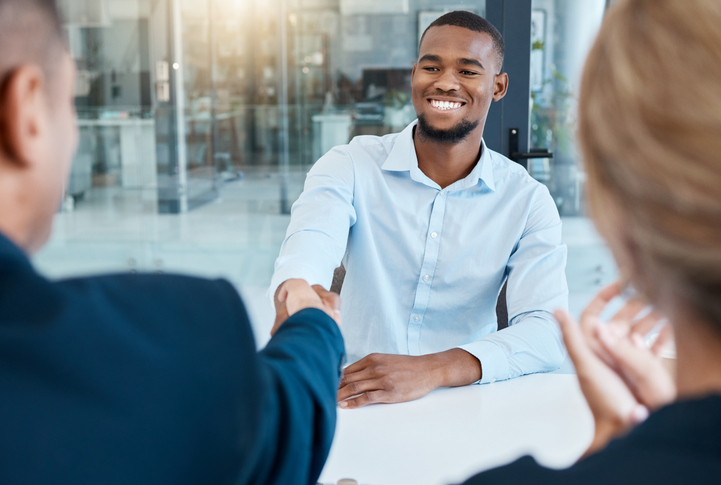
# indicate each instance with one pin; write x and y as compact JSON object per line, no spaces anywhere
{"x":428,"y":268}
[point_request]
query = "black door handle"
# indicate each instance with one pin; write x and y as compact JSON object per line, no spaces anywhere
{"x":523,"y":157}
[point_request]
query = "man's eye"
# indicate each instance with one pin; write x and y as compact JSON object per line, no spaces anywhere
{"x":469,"y":73}
{"x":430,"y":69}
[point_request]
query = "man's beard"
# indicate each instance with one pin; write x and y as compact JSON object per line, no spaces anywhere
{"x":453,"y":135}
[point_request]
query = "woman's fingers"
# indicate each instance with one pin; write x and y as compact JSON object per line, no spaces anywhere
{"x":601,"y":300}
{"x":647,"y":323}
{"x":611,"y":401}
{"x":642,"y":371}
{"x":665,"y":335}
{"x":639,"y":415}
{"x":628,"y":312}
{"x":591,"y":316}
{"x":572,"y":337}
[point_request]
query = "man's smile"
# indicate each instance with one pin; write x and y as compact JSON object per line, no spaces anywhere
{"x":445,"y":104}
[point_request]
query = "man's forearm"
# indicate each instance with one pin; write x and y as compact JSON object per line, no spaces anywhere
{"x":301,"y":369}
{"x":454,"y":368}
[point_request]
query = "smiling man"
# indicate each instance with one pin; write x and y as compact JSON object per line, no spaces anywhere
{"x":429,"y":224}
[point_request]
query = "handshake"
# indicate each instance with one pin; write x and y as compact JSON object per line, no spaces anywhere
{"x":295,"y":295}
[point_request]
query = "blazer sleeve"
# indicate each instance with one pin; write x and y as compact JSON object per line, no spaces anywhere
{"x":300,"y":371}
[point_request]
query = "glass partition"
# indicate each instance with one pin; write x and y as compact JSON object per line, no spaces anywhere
{"x":199,"y":122}
{"x":562,"y":32}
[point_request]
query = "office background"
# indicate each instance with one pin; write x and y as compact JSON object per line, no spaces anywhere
{"x":200,"y":118}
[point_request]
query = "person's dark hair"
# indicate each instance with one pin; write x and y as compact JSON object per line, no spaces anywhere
{"x":30,"y":32}
{"x":476,"y":23}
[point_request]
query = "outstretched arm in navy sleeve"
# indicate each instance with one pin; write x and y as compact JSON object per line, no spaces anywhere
{"x":302,"y":368}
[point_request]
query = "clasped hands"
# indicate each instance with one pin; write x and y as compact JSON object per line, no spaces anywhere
{"x":295,"y":295}
{"x":621,"y":377}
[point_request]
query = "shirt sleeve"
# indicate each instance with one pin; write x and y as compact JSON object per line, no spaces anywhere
{"x":536,"y":287}
{"x":321,"y":219}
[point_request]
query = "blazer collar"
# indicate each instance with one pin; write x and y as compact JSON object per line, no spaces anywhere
{"x":11,"y":254}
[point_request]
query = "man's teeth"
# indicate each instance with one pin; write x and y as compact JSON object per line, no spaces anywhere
{"x":443,"y":105}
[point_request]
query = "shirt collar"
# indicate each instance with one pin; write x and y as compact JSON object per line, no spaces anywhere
{"x":483,"y":170}
{"x":402,"y":158}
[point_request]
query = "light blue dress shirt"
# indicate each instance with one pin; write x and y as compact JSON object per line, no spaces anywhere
{"x":425,"y":265}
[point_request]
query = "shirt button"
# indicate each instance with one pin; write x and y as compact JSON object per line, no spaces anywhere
{"x":416,"y":318}
{"x":434,"y":235}
{"x":426,"y":278}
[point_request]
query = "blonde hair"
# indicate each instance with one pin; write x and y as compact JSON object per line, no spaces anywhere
{"x":650,"y":132}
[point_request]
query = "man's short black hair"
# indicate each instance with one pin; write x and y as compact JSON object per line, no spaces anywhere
{"x":31,"y":32}
{"x":476,"y":23}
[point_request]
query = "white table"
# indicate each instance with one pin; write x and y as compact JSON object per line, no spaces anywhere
{"x":452,"y":434}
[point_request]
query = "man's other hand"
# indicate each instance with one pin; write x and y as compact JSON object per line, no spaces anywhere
{"x":295,"y":295}
{"x":388,"y":378}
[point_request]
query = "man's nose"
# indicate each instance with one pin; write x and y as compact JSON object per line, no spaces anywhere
{"x":447,"y":81}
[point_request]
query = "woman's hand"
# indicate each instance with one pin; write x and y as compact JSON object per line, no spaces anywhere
{"x":620,"y":377}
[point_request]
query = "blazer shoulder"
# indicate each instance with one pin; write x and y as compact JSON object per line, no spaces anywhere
{"x":157,"y":288}
{"x":193,"y":305}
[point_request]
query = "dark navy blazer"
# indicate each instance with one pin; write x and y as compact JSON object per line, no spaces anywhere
{"x":154,"y":379}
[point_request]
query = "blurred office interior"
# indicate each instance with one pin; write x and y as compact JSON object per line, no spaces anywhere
{"x":199,"y":119}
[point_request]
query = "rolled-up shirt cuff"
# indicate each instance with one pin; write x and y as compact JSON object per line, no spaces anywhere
{"x":296,"y":271}
{"x":494,"y":362}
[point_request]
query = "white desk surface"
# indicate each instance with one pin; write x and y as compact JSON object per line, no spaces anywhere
{"x":451,"y":434}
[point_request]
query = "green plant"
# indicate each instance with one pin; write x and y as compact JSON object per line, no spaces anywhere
{"x":396,"y":99}
{"x":553,"y":123}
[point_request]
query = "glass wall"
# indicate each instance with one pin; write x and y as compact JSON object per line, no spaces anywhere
{"x":117,"y":139}
{"x":200,"y":118}
{"x":562,"y":32}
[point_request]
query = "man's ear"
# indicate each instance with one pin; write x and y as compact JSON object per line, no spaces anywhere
{"x":23,"y":110}
{"x":413,"y":72}
{"x":501,"y":86}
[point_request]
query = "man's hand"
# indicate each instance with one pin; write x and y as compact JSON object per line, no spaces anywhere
{"x":386,"y":378}
{"x":295,"y":295}
{"x":620,"y":377}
